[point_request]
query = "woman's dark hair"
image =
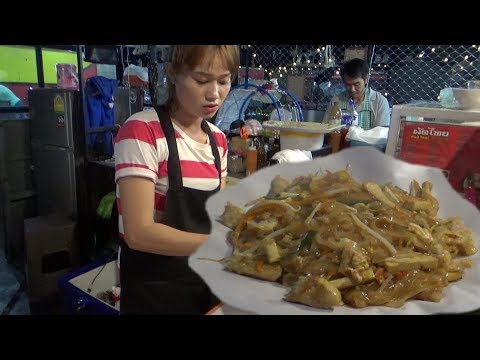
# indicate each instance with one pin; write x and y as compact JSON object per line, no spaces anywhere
{"x":355,"y":68}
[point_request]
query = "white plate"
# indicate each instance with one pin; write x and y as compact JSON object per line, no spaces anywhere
{"x":367,"y":163}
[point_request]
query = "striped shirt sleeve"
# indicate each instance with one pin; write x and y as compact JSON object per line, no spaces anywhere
{"x":136,"y":151}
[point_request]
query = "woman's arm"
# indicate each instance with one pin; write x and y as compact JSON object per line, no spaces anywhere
{"x":141,"y":232}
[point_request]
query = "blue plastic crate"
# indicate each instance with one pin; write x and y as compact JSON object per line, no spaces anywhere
{"x":76,"y":300}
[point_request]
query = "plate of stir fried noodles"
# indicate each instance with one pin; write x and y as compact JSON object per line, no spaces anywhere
{"x":356,"y":232}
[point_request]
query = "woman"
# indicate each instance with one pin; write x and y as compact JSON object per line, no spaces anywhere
{"x":168,"y":161}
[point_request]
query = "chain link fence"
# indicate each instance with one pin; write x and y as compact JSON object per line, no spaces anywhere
{"x":403,"y":73}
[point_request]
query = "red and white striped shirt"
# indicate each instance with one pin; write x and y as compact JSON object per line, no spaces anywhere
{"x":141,"y":150}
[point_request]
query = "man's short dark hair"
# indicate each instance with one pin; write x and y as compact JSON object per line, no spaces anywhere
{"x":355,"y":68}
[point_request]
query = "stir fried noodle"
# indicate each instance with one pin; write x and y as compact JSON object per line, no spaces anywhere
{"x":333,"y":241}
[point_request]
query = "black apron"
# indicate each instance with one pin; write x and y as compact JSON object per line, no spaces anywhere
{"x":157,"y":284}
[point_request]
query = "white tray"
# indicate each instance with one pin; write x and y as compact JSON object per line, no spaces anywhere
{"x":307,"y":127}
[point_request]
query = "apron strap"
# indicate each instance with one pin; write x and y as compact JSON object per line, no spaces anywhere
{"x":215,"y":152}
{"x":175,"y":180}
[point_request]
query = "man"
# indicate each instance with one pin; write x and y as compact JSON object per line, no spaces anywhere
{"x":8,"y":98}
{"x":372,"y":107}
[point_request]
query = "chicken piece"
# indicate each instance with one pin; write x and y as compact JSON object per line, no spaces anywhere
{"x":263,"y":227}
{"x":452,"y":232}
{"x":454,"y":275}
{"x":354,"y":260}
{"x":278,"y":186}
{"x":316,"y":292}
{"x":293,"y":263}
{"x":415,"y":189}
{"x":346,"y":282}
{"x":426,"y":239}
{"x":417,"y":204}
{"x":444,"y":257}
{"x":408,"y":261}
{"x":377,"y":192}
{"x":251,"y":267}
{"x":409,"y":286}
{"x":426,"y":193}
{"x":434,"y":295}
{"x":420,"y":199}
{"x":271,"y":250}
{"x":390,"y":194}
{"x":324,"y":266}
{"x":231,"y":215}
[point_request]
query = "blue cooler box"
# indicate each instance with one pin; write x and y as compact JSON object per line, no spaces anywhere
{"x":98,"y":277}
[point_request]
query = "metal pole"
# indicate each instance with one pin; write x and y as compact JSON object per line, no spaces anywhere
{"x":39,"y":59}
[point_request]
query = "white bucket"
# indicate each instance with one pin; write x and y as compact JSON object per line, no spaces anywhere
{"x":301,"y":140}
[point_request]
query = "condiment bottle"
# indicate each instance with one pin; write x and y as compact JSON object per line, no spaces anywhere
{"x":251,"y":159}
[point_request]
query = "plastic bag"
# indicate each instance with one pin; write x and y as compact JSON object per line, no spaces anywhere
{"x":289,"y":155}
{"x":375,"y":136}
{"x":253,"y":127}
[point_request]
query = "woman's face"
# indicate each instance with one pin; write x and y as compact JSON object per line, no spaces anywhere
{"x":201,"y":91}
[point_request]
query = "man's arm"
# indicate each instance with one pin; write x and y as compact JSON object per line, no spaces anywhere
{"x":382,"y":117}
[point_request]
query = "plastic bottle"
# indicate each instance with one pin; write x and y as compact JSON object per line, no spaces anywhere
{"x":335,"y":116}
{"x":350,"y":116}
{"x":261,"y":153}
{"x":251,"y":159}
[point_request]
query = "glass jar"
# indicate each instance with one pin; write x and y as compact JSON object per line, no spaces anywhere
{"x":235,"y":164}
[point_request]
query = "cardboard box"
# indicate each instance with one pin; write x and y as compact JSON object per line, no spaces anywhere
{"x":453,"y":148}
{"x":51,"y":251}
